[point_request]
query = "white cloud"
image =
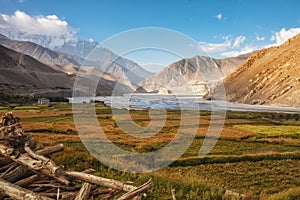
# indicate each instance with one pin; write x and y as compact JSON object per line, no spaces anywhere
{"x":259,"y":38}
{"x":238,"y":41}
{"x":229,"y":44}
{"x":219,"y":16}
{"x":215,"y":47}
{"x":20,"y":1}
{"x":234,"y":53}
{"x":283,"y":35}
{"x":25,"y":27}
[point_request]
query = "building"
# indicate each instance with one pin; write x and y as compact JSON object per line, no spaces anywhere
{"x":43,"y":101}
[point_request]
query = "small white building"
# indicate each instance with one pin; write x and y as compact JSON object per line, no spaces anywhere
{"x":43,"y":101}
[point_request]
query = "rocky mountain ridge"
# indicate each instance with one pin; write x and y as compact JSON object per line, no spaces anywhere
{"x":270,"y":76}
{"x":192,"y":75}
{"x":24,"y":75}
{"x":77,"y":53}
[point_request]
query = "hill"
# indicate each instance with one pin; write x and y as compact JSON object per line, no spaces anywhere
{"x":24,"y":75}
{"x":270,"y":76}
{"x":192,"y":75}
{"x":73,"y":54}
{"x":38,"y":52}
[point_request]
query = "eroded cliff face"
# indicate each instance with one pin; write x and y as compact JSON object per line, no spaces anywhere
{"x":270,"y":76}
{"x":192,"y":75}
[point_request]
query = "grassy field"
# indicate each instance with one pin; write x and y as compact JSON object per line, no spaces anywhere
{"x":257,"y":155}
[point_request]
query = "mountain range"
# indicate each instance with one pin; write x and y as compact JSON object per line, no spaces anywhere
{"x":270,"y":76}
{"x":76,"y":53}
{"x":194,"y":75}
{"x":21,"y":74}
{"x":38,"y":52}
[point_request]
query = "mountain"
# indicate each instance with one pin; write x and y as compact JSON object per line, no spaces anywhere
{"x":192,"y":75}
{"x":270,"y":76}
{"x":229,"y":65}
{"x":95,"y":55}
{"x":38,"y":52}
{"x":80,"y":48}
{"x":24,"y":75}
{"x":75,"y":52}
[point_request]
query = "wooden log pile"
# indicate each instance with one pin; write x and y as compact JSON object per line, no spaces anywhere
{"x":28,"y":173}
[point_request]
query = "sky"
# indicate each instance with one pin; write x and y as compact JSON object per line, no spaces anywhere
{"x":220,"y":28}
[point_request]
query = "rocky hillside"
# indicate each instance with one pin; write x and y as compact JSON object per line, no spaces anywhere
{"x":38,"y":52}
{"x":74,"y":53}
{"x":93,"y":54}
{"x":192,"y":75}
{"x":229,"y":65}
{"x":116,"y":65}
{"x":22,"y":74}
{"x":270,"y":76}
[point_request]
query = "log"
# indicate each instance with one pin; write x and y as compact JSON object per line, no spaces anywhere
{"x":99,"y":191}
{"x":100,"y":181}
{"x":62,"y":195}
{"x":58,"y":194}
{"x":4,"y":161}
{"x":48,"y":163}
{"x":18,"y":193}
{"x":84,"y":192}
{"x":143,"y":188}
{"x":137,"y":197}
{"x":89,"y":171}
{"x":15,"y":174}
{"x":45,"y":165}
{"x":50,"y":150}
{"x":173,"y":194}
{"x":52,"y":185}
{"x":8,"y":168}
{"x":112,"y":194}
{"x":27,"y":181}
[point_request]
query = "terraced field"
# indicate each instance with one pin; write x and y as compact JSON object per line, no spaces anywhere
{"x":255,"y":156}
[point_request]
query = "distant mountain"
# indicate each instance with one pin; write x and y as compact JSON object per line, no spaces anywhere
{"x":38,"y":52}
{"x":74,"y":52}
{"x":24,"y":75}
{"x":95,"y":55}
{"x":270,"y":76}
{"x":192,"y":75}
{"x":229,"y":65}
{"x":78,"y":47}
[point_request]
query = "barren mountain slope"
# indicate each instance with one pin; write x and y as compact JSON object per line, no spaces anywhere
{"x":270,"y":76}
{"x":36,"y":51}
{"x":74,"y":55}
{"x":22,"y":74}
{"x":192,"y":75}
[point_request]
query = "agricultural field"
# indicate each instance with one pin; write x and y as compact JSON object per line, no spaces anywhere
{"x":256,"y":157}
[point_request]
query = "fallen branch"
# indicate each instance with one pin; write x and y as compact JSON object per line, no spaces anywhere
{"x":143,"y":188}
{"x":43,"y":165}
{"x":18,"y":193}
{"x":173,"y":194}
{"x":100,"y":181}
{"x":84,"y":192}
{"x":50,"y":150}
{"x":27,"y":181}
{"x":45,"y":162}
{"x":15,"y":174}
{"x":112,"y":194}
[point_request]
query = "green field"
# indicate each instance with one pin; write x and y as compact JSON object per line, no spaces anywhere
{"x":255,"y":156}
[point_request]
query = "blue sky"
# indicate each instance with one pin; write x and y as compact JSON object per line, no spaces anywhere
{"x":223,"y":28}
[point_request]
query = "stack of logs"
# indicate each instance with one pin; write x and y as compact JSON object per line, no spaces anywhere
{"x":29,"y":173}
